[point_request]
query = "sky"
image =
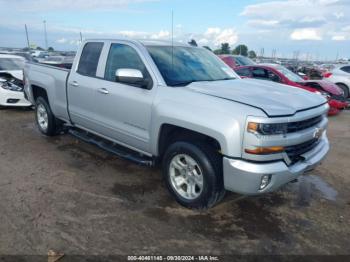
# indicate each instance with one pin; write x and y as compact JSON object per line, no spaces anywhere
{"x":316,"y":29}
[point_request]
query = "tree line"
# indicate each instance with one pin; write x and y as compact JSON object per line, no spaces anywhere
{"x":225,"y":49}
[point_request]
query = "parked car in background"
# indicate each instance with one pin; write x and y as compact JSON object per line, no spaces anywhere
{"x":59,"y":61}
{"x":11,"y":81}
{"x":39,"y":53}
{"x":341,"y":77}
{"x":181,"y":106}
{"x":310,"y":72}
{"x":282,"y":75}
{"x":26,"y":55}
{"x":234,"y":61}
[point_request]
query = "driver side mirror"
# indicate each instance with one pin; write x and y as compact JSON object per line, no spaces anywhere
{"x":132,"y":77}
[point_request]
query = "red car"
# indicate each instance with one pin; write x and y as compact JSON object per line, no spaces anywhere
{"x":280,"y":74}
{"x":235,"y":61}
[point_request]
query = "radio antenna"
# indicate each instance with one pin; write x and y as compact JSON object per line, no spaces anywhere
{"x":172,"y":39}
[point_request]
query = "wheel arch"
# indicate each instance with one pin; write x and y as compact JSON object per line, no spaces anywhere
{"x":170,"y":133}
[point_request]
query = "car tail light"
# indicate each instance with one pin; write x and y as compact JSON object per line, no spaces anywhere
{"x":327,"y":74}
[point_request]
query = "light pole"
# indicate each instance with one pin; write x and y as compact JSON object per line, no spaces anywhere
{"x":45,"y":34}
{"x":25,"y":26}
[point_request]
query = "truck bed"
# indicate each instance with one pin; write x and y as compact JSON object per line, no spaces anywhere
{"x":54,"y":80}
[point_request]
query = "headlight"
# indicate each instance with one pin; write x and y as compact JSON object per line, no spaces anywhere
{"x":11,"y":86}
{"x":267,"y":129}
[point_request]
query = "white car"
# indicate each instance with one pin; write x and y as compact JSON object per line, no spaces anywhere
{"x":341,"y":76}
{"x":11,"y":77}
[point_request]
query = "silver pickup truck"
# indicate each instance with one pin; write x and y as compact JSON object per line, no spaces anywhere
{"x":181,"y":106}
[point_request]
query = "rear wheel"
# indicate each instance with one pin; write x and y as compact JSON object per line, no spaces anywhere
{"x":345,"y":89}
{"x":193,"y":174}
{"x":46,"y":121}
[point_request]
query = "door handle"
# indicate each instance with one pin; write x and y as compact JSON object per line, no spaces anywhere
{"x":74,"y":83}
{"x":103,"y":91}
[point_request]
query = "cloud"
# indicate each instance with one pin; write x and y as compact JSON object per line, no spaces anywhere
{"x":305,"y":34}
{"x":216,"y":36}
{"x":339,"y":38}
{"x":296,"y":17}
{"x":62,"y":41}
{"x":161,"y":35}
{"x":263,"y":23}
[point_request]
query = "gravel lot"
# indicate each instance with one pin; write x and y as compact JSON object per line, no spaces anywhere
{"x":63,"y":194}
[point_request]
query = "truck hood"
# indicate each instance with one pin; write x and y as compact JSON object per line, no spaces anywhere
{"x":272,"y":98}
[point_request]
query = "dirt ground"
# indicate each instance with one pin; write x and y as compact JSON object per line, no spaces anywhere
{"x":63,"y":194}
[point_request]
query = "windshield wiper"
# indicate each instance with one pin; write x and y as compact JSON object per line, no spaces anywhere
{"x":226,"y":78}
{"x":184,"y":83}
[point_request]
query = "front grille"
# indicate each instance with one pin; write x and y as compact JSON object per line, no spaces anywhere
{"x":305,"y":124}
{"x":294,"y":152}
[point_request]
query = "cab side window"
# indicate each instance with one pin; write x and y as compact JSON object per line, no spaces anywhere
{"x":260,"y":73}
{"x":123,"y":56}
{"x":89,"y":59}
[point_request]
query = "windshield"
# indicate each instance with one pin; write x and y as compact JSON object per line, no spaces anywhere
{"x":289,"y":74}
{"x":7,"y":64}
{"x":181,"y":65}
{"x":244,"y":61}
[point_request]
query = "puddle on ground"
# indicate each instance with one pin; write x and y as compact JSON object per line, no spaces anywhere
{"x":308,"y":186}
{"x":252,"y":218}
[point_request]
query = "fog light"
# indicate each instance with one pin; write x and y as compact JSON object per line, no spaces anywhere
{"x":265,"y":180}
{"x":12,"y":101}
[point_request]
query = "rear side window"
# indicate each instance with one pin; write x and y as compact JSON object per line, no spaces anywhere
{"x":123,"y":56}
{"x":346,"y":69}
{"x":89,"y":59}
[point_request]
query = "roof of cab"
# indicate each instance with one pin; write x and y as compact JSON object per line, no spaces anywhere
{"x":145,"y":42}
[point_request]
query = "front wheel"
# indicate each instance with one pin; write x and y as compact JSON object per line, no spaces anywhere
{"x":45,"y":120}
{"x":345,"y":90}
{"x":193,"y":174}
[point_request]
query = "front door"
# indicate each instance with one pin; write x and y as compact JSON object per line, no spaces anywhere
{"x":123,"y":112}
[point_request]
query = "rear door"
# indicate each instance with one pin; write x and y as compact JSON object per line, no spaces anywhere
{"x":82,"y":87}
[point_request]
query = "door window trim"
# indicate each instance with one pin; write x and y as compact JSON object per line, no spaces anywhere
{"x":98,"y":63}
{"x":104,"y":58}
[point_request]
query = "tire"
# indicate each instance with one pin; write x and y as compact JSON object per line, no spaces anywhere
{"x":345,"y":89}
{"x":210,"y":187}
{"x":43,"y":113}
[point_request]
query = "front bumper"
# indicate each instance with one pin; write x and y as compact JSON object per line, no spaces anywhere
{"x":13,"y":98}
{"x":338,"y":104}
{"x":245,"y":177}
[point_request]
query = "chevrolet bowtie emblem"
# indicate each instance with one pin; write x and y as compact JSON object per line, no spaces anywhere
{"x":318,"y":133}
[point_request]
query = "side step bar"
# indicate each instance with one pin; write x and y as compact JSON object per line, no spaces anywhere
{"x":113,"y":148}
